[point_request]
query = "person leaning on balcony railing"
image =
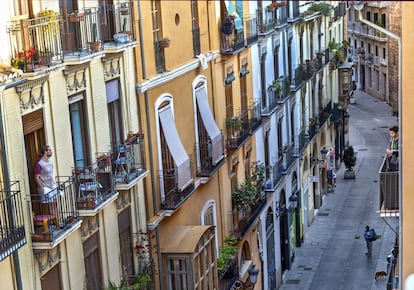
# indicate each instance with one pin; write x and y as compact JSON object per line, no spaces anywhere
{"x":226,"y":30}
{"x":392,"y":151}
{"x":45,"y":180}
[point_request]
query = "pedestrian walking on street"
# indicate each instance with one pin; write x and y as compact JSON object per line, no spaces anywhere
{"x":369,"y":236}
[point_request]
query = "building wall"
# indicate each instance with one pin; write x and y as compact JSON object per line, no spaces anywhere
{"x":407,"y":203}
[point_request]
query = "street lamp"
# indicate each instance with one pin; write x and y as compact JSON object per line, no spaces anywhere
{"x":253,"y":274}
{"x":281,"y":207}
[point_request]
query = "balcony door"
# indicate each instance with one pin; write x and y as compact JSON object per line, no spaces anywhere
{"x":70,"y":30}
{"x":34,"y":139}
{"x":107,"y":20}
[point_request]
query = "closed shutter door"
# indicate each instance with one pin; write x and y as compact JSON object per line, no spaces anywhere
{"x":32,"y":122}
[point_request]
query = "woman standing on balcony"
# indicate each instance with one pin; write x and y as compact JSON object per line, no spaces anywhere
{"x":45,"y":180}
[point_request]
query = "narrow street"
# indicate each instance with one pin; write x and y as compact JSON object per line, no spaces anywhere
{"x":333,"y":253}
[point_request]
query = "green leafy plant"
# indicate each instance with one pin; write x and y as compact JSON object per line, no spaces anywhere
{"x":275,"y":85}
{"x":324,"y":8}
{"x":349,"y":158}
{"x":227,"y":253}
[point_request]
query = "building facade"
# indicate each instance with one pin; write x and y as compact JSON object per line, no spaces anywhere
{"x":193,"y":141}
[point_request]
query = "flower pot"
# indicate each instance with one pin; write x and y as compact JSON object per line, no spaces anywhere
{"x":164,"y":43}
{"x":94,"y":46}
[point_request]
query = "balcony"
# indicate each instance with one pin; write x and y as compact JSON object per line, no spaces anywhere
{"x":205,"y":166}
{"x":95,"y":186}
{"x":273,"y":177}
{"x":83,"y":37}
{"x":364,"y":30}
{"x":117,"y":29}
{"x":300,"y":141}
{"x":244,"y":216}
{"x":388,"y":191}
{"x":228,"y":276}
{"x":36,"y":43}
{"x":251,"y":30}
{"x":265,"y":21}
{"x":282,"y":19}
{"x":55,"y":215}
{"x":325,"y":114}
{"x":173,"y":196}
{"x":128,"y":162}
{"x":313,"y":128}
{"x":297,"y":78}
{"x":236,"y":42}
{"x":12,"y":235}
{"x":288,"y":157}
{"x":270,"y":101}
{"x":295,"y":13}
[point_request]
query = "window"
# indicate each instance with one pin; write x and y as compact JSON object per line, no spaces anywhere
{"x":247,"y":165}
{"x":263,"y":79}
{"x":195,"y":27}
{"x":52,"y":279}
{"x":243,"y":92}
{"x":378,"y":80}
{"x":92,"y":261}
{"x":233,"y":177}
{"x":384,"y":53}
{"x":229,"y":100}
{"x":375,"y":18}
{"x":383,"y":20}
{"x":79,"y":128}
{"x":368,"y":15}
{"x":208,"y":218}
{"x":176,"y":175}
{"x":209,"y":136}
{"x":279,"y":137}
{"x":369,"y":47}
{"x":276,"y":62}
{"x":114,"y":112}
{"x":125,"y":242}
{"x":376,"y":50}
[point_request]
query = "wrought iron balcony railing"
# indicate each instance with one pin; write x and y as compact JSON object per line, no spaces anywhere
{"x":128,"y":160}
{"x":251,"y":30}
{"x":54,"y":212}
{"x":86,"y":32}
{"x":270,"y":101}
{"x":12,"y":232}
{"x":273,"y":177}
{"x":94,"y":184}
{"x":173,"y":198}
{"x":243,"y":218}
{"x":388,"y":191}
{"x":288,"y":156}
{"x":297,"y":78}
{"x":325,"y":113}
{"x":205,"y":166}
{"x":282,"y":16}
{"x":236,"y":42}
{"x":238,"y":130}
{"x":266,"y":21}
{"x":36,"y":43}
{"x":300,"y":142}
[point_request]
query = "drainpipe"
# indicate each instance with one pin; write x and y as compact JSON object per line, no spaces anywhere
{"x":400,"y":196}
{"x":6,"y":178}
{"x":147,"y":110}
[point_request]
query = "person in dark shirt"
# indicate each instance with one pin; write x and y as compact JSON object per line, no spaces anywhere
{"x":226,"y":31}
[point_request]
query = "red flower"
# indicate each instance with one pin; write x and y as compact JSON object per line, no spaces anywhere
{"x":139,"y":247}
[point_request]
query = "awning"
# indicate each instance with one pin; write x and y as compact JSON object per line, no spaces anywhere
{"x":181,"y":159}
{"x":210,"y":125}
{"x":185,"y":239}
{"x":238,"y":22}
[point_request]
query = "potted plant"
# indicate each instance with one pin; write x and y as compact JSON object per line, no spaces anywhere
{"x":164,"y":42}
{"x":95,"y":43}
{"x":275,"y":86}
{"x":226,"y":260}
{"x":349,"y":161}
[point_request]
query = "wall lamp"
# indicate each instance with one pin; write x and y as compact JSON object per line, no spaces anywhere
{"x":316,"y":160}
{"x":281,"y":207}
{"x":253,"y":274}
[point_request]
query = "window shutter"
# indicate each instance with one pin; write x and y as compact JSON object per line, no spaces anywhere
{"x":32,"y":122}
